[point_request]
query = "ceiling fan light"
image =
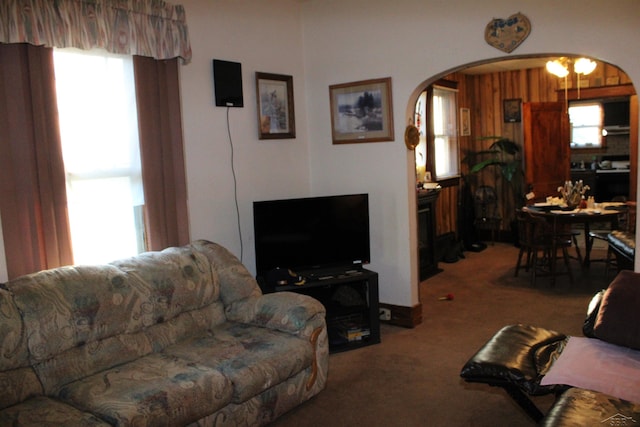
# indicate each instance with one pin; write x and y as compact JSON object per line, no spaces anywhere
{"x":557,"y":69}
{"x":584,"y":66}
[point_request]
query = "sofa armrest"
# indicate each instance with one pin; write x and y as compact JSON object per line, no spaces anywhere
{"x":290,"y":312}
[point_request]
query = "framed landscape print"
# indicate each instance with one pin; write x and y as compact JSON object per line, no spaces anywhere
{"x":276,"y":119}
{"x":361,"y":111}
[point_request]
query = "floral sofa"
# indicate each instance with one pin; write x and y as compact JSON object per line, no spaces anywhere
{"x":171,"y":338}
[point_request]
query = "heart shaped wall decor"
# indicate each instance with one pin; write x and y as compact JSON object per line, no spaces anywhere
{"x":507,"y":34}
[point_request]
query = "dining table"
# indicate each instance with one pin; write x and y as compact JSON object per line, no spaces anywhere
{"x":559,"y":216}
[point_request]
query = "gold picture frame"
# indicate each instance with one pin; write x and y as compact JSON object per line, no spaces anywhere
{"x":361,"y":111}
{"x":276,"y":113}
{"x":465,"y":122}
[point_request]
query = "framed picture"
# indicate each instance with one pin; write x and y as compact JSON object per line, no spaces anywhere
{"x":276,"y":117}
{"x":361,"y":111}
{"x":465,"y":122}
{"x":512,"y":109}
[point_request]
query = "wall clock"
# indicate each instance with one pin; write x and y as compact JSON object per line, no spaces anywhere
{"x":507,"y":34}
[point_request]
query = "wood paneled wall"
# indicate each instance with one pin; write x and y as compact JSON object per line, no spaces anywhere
{"x":484,"y":95}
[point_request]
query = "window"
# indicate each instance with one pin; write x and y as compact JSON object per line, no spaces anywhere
{"x":445,"y":132}
{"x":100,"y":147}
{"x":586,"y":124}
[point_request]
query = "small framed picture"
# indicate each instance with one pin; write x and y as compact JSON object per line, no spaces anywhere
{"x":465,"y":122}
{"x":276,"y":117}
{"x":512,"y":110}
{"x":361,"y":111}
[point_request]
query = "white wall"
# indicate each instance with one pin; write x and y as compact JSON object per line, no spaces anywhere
{"x":412,"y":41}
{"x":263,"y":36}
{"x":324,"y":42}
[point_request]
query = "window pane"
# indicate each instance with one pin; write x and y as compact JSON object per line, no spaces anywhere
{"x":99,"y":131}
{"x":103,"y":224}
{"x":586,"y":124}
{"x":445,"y":129}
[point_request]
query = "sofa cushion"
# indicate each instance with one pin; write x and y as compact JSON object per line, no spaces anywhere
{"x":236,"y":282}
{"x":13,"y":345}
{"x":154,"y":390}
{"x":17,"y":385}
{"x":85,"y":360}
{"x":45,"y":412}
{"x":253,"y":358}
{"x":67,"y":306}
{"x":70,"y":306}
{"x":174,"y":280}
{"x":618,"y":319}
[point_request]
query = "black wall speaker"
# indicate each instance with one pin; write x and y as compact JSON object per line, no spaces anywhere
{"x":227,"y":83}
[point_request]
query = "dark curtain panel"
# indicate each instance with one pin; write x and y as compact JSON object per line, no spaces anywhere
{"x":161,"y":152}
{"x":33,"y":199}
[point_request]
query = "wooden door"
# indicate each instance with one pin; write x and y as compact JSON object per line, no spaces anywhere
{"x":547,"y":154}
{"x":633,"y":148}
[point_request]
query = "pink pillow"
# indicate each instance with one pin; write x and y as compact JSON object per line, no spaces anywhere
{"x":618,"y":320}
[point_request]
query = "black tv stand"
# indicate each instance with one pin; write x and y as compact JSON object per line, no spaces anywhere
{"x":351,"y":300}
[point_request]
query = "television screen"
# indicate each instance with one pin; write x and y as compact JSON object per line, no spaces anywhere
{"x":312,"y":234}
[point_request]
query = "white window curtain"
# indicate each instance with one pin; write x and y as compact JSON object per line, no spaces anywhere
{"x":100,"y":147}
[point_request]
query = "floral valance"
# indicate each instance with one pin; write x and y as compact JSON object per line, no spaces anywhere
{"x":152,"y":28}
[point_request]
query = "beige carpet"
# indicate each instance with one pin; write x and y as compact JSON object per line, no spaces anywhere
{"x":412,"y":377}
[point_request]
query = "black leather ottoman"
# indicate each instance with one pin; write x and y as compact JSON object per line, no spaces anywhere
{"x":516,"y":358}
{"x":623,"y":244}
{"x":578,"y":407}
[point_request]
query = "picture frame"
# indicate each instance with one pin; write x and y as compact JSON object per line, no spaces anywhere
{"x":465,"y":122}
{"x":276,"y":112}
{"x":361,"y":111}
{"x":512,"y":110}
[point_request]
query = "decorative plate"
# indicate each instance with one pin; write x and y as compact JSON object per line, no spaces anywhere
{"x":507,"y":34}
{"x":411,"y":137}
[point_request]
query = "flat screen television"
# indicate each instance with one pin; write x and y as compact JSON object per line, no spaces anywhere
{"x":312,"y":235}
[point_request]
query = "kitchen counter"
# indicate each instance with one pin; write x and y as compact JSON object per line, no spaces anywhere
{"x":612,"y":171}
{"x":588,"y":171}
{"x":604,"y":184}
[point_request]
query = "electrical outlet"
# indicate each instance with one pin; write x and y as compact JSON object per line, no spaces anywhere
{"x":385,"y":314}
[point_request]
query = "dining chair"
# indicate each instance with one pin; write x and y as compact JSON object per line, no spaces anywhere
{"x":540,"y":244}
{"x":623,"y":224}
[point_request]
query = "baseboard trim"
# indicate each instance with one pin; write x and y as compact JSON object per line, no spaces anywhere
{"x":408,"y":317}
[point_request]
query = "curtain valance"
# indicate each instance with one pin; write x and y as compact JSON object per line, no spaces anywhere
{"x":152,"y":28}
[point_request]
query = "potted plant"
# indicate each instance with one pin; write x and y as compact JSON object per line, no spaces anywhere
{"x":502,"y":154}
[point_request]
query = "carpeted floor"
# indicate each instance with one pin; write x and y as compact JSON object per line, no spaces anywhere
{"x":412,"y":377}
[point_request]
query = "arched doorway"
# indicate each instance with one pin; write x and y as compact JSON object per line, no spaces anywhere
{"x":487,"y":88}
